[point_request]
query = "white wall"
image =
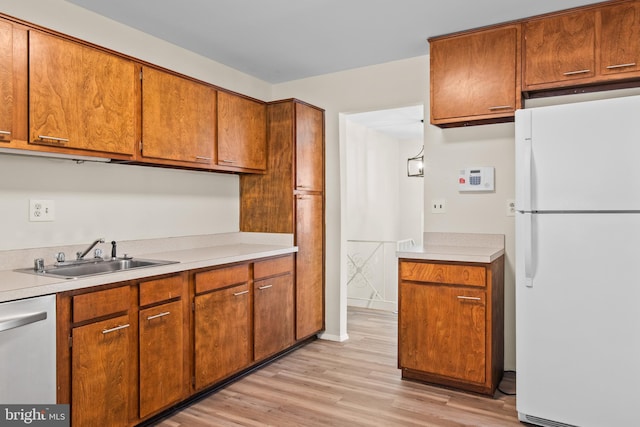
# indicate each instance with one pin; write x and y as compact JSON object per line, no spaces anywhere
{"x":402,"y":83}
{"x":120,"y":202}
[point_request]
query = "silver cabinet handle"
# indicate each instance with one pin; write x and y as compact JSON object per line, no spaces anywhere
{"x":240,"y":293}
{"x":203,"y":158}
{"x":469,"y":298}
{"x":5,"y":132}
{"x":54,"y":138}
{"x":265,"y":287}
{"x":500,"y":107}
{"x":630,"y":64}
{"x":117,"y":328}
{"x":19,"y":321}
{"x":226,"y":161}
{"x":571,"y":73}
{"x":155,"y":316}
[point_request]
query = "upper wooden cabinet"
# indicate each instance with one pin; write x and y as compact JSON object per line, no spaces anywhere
{"x":13,"y":84}
{"x":475,"y":77}
{"x":178,"y":119}
{"x":585,"y":47}
{"x":242,"y":133}
{"x":309,"y":145}
{"x":81,"y":98}
{"x":559,"y":49}
{"x":619,"y":42}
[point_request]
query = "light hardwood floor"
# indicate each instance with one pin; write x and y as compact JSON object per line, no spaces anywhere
{"x":353,"y":383}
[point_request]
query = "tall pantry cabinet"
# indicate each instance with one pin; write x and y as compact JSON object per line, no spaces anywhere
{"x":289,"y":198}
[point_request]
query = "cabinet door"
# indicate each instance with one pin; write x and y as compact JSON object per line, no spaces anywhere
{"x":222,"y":328}
{"x":475,"y":76}
{"x":178,"y":118}
{"x":161,"y":357}
{"x":443,"y":331}
{"x":80,"y":98}
{"x":242,"y":132}
{"x":6,"y":82}
{"x":309,"y":265}
{"x":558,"y":50}
{"x":100,"y":364}
{"x":620,"y":40}
{"x":273,"y":315}
{"x":309,"y":128}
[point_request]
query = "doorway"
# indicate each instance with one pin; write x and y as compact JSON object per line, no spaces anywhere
{"x":382,"y":204}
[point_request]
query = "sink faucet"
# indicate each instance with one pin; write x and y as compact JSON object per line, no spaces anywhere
{"x":82,"y":254}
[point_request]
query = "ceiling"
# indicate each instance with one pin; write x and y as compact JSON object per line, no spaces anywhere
{"x":399,"y":123}
{"x":282,"y":40}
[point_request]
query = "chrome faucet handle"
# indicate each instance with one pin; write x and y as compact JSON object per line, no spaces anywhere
{"x":38,"y":265}
{"x":60,"y":257}
{"x":97,"y":253}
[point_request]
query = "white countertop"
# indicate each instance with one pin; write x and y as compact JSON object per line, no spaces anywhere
{"x":18,"y":285}
{"x":456,"y":247}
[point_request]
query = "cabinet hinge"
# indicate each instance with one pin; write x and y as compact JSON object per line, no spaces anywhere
{"x":70,"y":341}
{"x":193,"y":306}
{"x":140,"y":74}
{"x":140,"y":147}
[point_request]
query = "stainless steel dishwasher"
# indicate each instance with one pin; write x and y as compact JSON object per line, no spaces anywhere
{"x":28,"y":351}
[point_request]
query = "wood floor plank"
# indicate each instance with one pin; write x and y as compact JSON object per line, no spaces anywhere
{"x":353,"y":383}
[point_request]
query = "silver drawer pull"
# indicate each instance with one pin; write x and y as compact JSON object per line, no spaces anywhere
{"x":226,"y":161}
{"x":611,"y":67}
{"x":571,"y":73}
{"x":265,"y":287}
{"x":500,"y":107}
{"x":240,"y":293}
{"x":469,"y":298}
{"x":5,"y":132}
{"x":117,"y":328}
{"x":203,"y":158}
{"x":54,"y":138}
{"x":155,"y":316}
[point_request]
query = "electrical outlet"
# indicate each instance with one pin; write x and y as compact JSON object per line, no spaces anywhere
{"x":42,"y":210}
{"x":511,"y":207}
{"x":438,"y":206}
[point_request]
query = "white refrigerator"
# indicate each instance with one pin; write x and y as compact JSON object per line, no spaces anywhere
{"x":578,"y":264}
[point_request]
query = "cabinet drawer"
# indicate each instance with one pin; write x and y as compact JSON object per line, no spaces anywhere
{"x":158,"y":290}
{"x":221,"y":278}
{"x":100,"y":303}
{"x":443,"y":273}
{"x":272,"y":267}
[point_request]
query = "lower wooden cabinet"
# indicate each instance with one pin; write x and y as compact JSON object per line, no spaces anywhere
{"x":101,"y":363}
{"x":273,"y":302}
{"x":128,"y":351}
{"x":222,"y":334}
{"x":450,"y":326}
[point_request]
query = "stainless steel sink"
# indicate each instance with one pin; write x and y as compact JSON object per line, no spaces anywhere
{"x":74,"y":270}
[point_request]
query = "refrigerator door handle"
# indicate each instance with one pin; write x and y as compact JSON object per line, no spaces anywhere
{"x":528,"y":249}
{"x":527,"y":175}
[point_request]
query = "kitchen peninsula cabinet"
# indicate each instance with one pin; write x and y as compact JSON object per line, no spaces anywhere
{"x":450,"y":324}
{"x":13,"y":83}
{"x":81,"y":99}
{"x":242,"y":133}
{"x":289,"y":198}
{"x":273,"y":296}
{"x":222,"y":324}
{"x":475,"y":77}
{"x":178,"y":120}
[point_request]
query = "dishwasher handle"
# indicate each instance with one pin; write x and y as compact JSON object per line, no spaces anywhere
{"x":19,"y":321}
